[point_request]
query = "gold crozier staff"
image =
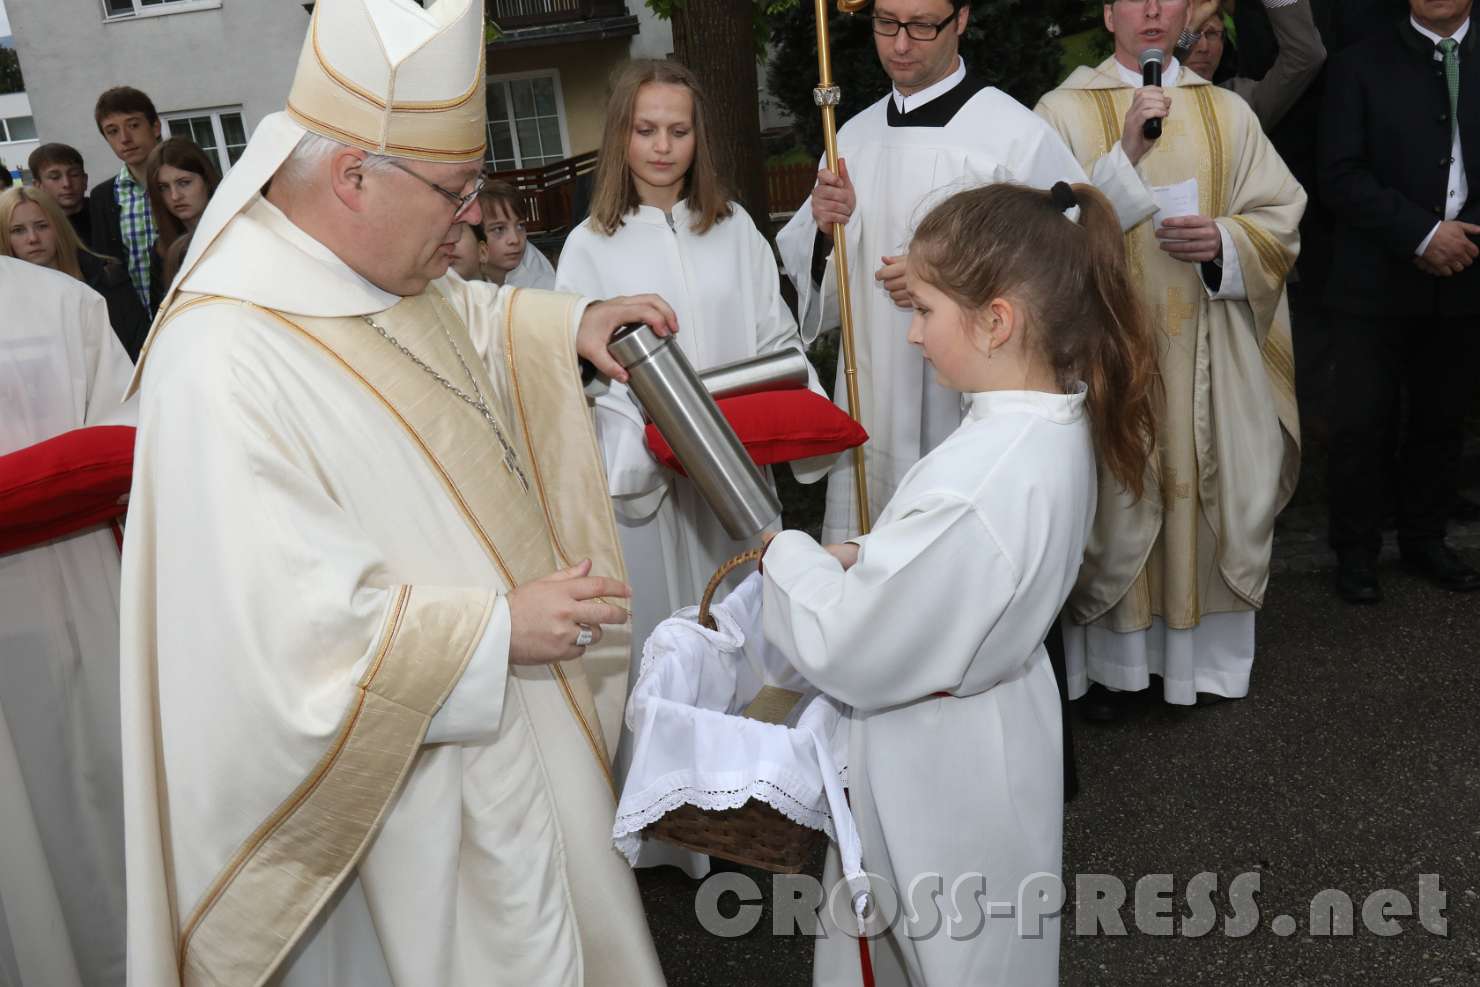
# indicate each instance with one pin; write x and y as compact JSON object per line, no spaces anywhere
{"x":827,"y":95}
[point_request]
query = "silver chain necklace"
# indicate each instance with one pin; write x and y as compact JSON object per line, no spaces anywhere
{"x":511,"y":458}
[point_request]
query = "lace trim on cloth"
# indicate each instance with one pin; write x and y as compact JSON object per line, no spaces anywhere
{"x":627,"y":833}
{"x":690,"y":747}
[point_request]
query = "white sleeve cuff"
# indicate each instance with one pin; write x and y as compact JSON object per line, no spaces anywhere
{"x":579,"y":313}
{"x":475,"y":707}
{"x":792,"y":554}
{"x":635,"y":480}
{"x":1231,"y":288}
{"x":1423,"y":248}
{"x":1116,"y":177}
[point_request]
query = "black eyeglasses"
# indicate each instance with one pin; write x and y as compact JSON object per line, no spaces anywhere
{"x":888,"y":27}
{"x":463,"y":201}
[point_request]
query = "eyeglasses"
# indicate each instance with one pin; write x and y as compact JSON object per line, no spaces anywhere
{"x":463,"y":201}
{"x":888,"y":27}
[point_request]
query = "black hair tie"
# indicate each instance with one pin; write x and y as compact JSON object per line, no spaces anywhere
{"x":1064,"y":197}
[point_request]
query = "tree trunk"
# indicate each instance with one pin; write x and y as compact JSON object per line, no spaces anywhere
{"x":715,"y":39}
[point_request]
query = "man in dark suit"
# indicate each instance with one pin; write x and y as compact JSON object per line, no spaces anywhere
{"x":1400,"y":154}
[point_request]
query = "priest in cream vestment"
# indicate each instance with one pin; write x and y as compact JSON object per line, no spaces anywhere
{"x":360,"y":744}
{"x":1171,"y":583}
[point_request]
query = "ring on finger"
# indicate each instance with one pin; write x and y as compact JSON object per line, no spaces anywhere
{"x":585,"y":637}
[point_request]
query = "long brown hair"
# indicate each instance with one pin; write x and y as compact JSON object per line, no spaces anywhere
{"x":68,"y":244}
{"x":614,"y":195}
{"x":185,"y":154}
{"x":1088,"y":318}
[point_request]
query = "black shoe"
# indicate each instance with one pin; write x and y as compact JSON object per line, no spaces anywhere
{"x":1440,"y":565}
{"x":1100,"y":705}
{"x":1356,"y":581}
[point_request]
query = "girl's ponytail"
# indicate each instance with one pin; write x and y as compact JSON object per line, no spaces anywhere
{"x":1088,"y":320}
{"x":1120,"y":362}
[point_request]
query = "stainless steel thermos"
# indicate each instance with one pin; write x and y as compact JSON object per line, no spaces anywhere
{"x":677,"y":402}
{"x":783,"y":371}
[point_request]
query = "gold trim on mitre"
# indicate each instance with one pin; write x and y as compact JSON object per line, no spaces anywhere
{"x":428,"y":103}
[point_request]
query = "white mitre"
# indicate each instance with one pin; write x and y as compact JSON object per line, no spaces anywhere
{"x":384,"y":75}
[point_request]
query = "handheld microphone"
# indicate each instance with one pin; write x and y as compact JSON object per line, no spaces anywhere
{"x":1151,"y":61}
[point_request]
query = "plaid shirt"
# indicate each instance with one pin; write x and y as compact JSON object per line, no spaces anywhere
{"x":136,"y":222}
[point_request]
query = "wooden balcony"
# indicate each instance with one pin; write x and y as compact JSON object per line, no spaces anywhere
{"x":787,"y":186}
{"x":549,"y":195}
{"x":513,"y":15}
{"x":556,"y":196}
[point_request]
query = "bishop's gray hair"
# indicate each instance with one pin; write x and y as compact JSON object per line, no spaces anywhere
{"x":310,"y":154}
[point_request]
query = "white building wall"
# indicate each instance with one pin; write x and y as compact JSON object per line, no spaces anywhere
{"x":222,"y":54}
{"x":654,"y":38}
{"x":14,"y":153}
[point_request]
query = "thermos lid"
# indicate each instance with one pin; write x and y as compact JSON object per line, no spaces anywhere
{"x":634,"y":343}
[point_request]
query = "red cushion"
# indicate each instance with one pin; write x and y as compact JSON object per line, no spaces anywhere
{"x":778,"y":427}
{"x":65,"y":484}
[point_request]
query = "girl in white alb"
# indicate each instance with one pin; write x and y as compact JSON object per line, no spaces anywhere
{"x":932,"y":626}
{"x":661,"y":222}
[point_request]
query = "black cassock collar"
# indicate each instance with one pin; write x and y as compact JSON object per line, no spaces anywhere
{"x":939,"y":111}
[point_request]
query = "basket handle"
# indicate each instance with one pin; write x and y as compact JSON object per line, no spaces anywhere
{"x":754,"y":555}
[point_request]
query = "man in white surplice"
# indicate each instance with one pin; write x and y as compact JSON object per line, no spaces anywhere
{"x":940,"y":130}
{"x":362,"y":611}
{"x":61,"y":803}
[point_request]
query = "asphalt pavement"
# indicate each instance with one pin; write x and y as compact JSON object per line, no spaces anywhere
{"x":1350,"y":769}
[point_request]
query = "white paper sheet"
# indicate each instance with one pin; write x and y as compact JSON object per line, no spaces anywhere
{"x":1175,"y":200}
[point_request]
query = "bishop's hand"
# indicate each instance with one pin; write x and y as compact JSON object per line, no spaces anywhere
{"x":833,"y":199}
{"x":549,"y":617}
{"x":604,"y":318}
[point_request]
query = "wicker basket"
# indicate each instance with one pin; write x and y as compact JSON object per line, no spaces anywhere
{"x":754,"y":834}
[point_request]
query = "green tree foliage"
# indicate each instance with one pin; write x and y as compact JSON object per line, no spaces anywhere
{"x":1014,"y":44}
{"x":10,"y":72}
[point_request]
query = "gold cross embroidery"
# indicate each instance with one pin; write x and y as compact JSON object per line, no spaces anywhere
{"x":1178,"y":311}
{"x":1172,"y":490}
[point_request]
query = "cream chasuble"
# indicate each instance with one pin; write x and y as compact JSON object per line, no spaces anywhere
{"x":333,"y":775}
{"x":1199,"y":543}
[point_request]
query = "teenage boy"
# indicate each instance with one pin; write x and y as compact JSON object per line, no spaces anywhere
{"x":122,"y":224}
{"x":58,"y":169}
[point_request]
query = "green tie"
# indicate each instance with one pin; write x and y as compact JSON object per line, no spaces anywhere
{"x":1450,"y":48}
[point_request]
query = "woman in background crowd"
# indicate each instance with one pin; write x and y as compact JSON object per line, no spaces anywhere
{"x":181,"y":179}
{"x":33,"y":228}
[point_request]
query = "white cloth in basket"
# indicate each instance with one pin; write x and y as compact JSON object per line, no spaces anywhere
{"x":691,"y":746}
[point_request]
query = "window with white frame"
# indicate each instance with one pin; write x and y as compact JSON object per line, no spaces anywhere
{"x":526,"y":121}
{"x":116,"y":9}
{"x":222,"y":133}
{"x":14,"y":129}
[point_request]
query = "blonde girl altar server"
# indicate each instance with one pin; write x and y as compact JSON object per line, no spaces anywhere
{"x":661,"y":222}
{"x":932,"y":626}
